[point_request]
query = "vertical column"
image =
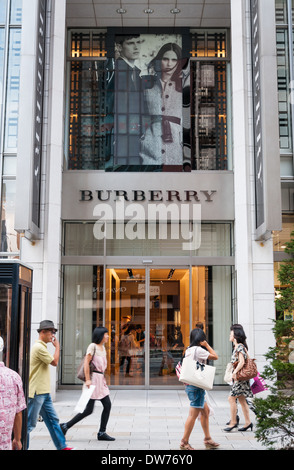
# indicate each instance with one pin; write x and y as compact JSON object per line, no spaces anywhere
{"x":44,"y":254}
{"x":241,"y":152}
{"x":54,"y":167}
{"x":262,"y":251}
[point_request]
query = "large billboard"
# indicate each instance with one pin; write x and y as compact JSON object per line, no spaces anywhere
{"x":145,"y":99}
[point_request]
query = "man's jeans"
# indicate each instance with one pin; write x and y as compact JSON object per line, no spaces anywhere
{"x":42,"y":405}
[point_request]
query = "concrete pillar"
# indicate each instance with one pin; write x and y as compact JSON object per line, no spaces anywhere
{"x":254,"y":259}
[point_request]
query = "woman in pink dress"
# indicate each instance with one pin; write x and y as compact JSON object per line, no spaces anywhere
{"x":97,"y":353}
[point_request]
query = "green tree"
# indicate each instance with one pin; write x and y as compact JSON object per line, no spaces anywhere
{"x":275,"y":413}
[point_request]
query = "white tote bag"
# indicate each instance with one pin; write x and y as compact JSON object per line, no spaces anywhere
{"x":197,"y":374}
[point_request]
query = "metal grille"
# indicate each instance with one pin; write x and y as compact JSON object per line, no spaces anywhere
{"x":88,"y":129}
{"x":209,"y":115}
{"x":209,"y":44}
{"x":88,"y":44}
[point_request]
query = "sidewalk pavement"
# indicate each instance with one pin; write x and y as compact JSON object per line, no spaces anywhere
{"x":145,"y":420}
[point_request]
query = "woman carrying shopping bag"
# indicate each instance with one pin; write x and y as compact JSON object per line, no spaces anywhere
{"x":239,"y":389}
{"x":96,"y":353}
{"x":196,"y":395}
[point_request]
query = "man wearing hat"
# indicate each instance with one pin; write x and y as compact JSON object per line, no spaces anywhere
{"x":40,"y":401}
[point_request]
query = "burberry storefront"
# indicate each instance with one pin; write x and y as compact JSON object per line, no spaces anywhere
{"x":147,"y":229}
{"x":152,"y":183}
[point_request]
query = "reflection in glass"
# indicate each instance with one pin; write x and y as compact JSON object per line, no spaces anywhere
{"x":9,"y":237}
{"x":125,"y":319}
{"x":3,"y":7}
{"x":2,"y":41}
{"x":12,"y":99}
{"x":149,"y":324}
{"x":83,"y":311}
{"x":283,"y":90}
{"x":212,"y":310}
{"x":16,"y":12}
{"x":5,"y":321}
{"x":82,"y":238}
{"x":169,"y":323}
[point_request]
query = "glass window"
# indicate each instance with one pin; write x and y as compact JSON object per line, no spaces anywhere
{"x":149,"y":323}
{"x":212,"y":310}
{"x":79,"y":240}
{"x":133,"y":111}
{"x":90,"y":124}
{"x":9,"y":166}
{"x":16,"y":11}
{"x":125,"y":319}
{"x":169,"y":314}
{"x":2,"y":43}
{"x":5,"y":321}
{"x":132,"y":239}
{"x":281,"y":12}
{"x":9,"y":237}
{"x":209,"y":43}
{"x":283,"y":90}
{"x":12,"y":99}
{"x":3,"y":9}
{"x":82,"y":312}
{"x":280,"y":238}
{"x":209,"y":111}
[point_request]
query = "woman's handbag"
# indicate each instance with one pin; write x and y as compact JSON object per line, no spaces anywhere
{"x":228,"y":373}
{"x":248,"y":371}
{"x":81,"y":372}
{"x":197,"y":374}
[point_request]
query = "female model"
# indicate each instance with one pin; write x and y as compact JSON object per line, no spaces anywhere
{"x":162,"y":142}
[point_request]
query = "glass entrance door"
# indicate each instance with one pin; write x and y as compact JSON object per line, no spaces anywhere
{"x":147,"y":313}
{"x":125,"y":313}
{"x":169,"y":323}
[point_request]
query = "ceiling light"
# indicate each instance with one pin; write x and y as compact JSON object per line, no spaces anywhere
{"x":148,"y":11}
{"x":175,"y":11}
{"x":121,"y":11}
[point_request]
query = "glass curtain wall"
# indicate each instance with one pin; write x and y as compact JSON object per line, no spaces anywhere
{"x":162,"y":304}
{"x":284,"y":34}
{"x":80,"y":240}
{"x":10,"y":48}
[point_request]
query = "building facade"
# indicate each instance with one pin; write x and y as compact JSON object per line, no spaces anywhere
{"x":153,"y":174}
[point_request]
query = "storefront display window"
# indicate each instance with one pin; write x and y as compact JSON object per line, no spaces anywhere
{"x":148,"y":102}
{"x":149,"y":313}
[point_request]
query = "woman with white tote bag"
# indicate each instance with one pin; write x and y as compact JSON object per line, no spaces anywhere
{"x":196,"y":395}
